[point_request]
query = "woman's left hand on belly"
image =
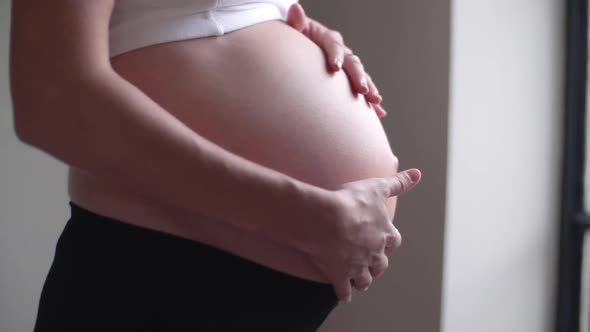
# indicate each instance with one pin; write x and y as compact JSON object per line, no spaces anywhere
{"x":339,"y":55}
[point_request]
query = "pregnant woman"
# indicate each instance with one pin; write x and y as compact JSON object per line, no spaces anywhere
{"x":222,"y":177}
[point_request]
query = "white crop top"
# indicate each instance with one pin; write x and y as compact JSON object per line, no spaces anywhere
{"x":139,"y":23}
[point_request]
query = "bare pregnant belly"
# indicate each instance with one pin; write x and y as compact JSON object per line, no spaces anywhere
{"x":264,"y":93}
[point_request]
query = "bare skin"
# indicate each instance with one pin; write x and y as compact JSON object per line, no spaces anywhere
{"x":265,"y":83}
{"x":261,"y":93}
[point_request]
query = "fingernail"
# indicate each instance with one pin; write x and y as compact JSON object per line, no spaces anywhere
{"x":364,"y":84}
{"x":365,"y":289}
{"x":338,"y":62}
{"x":406,"y":177}
{"x":412,"y":176}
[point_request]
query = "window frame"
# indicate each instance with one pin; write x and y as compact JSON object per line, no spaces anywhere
{"x":574,"y":220}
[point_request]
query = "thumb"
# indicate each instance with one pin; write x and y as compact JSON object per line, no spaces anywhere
{"x":296,"y":17}
{"x":401,"y":182}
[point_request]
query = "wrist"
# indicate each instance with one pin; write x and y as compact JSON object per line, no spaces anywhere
{"x":311,"y":216}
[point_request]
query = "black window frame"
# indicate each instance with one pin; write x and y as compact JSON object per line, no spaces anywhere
{"x":574,"y":220}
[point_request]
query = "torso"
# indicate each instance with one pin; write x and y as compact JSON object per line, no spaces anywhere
{"x":262,"y":92}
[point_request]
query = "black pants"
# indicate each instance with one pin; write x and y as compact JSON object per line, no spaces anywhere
{"x":111,"y":276}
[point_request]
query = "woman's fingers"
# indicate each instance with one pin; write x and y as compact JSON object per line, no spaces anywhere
{"x":356,"y":73}
{"x":343,"y":290}
{"x":338,"y":55}
{"x":374,"y":98}
{"x":393,"y":241}
{"x":363,"y":280}
{"x":328,"y":40}
{"x":340,"y":281}
{"x":296,"y":17}
{"x":332,"y":44}
{"x":335,"y":55}
{"x":361,"y":81}
{"x":379,"y":264}
{"x":373,"y":95}
{"x":379,"y":110}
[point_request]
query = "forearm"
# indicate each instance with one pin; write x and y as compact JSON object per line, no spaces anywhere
{"x":105,"y":126}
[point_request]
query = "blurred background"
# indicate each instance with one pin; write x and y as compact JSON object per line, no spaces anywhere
{"x":486,"y":97}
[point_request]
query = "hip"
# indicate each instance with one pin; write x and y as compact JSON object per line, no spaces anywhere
{"x":115,"y":275}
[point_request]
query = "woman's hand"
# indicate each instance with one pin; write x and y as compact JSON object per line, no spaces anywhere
{"x":339,"y":55}
{"x":352,"y":233}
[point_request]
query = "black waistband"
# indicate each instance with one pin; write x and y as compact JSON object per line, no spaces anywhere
{"x":94,"y":227}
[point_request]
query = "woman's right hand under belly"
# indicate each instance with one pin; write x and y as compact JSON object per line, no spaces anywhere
{"x":264,"y":93}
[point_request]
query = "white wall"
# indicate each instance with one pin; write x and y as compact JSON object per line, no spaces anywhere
{"x":505,"y":128}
